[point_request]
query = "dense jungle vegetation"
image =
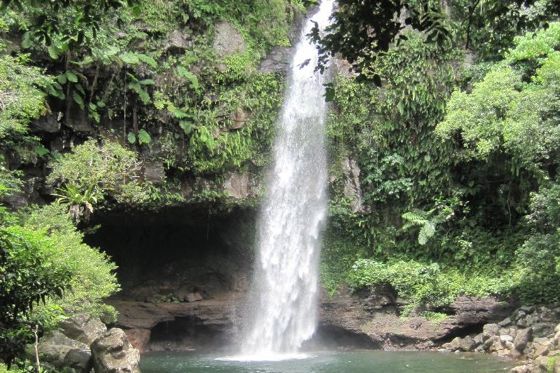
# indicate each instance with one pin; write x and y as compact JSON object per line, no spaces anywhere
{"x":451,"y":114}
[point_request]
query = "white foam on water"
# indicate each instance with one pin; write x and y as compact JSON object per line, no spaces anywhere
{"x":265,"y":357}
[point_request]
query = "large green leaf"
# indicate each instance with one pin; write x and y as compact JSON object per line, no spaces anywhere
{"x":144,"y":137}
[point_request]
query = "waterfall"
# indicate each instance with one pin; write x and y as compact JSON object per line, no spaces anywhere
{"x":286,"y":280}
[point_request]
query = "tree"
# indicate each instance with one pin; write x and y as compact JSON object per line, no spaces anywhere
{"x":26,"y":278}
{"x":363,"y":29}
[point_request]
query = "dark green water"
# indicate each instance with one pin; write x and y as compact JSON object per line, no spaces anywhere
{"x":330,"y":362}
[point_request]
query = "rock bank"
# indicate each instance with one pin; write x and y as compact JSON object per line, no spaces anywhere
{"x":530,"y":335}
{"x":82,"y":344}
{"x":377,"y":316}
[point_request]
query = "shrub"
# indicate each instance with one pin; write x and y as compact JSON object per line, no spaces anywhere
{"x":92,"y":273}
{"x":46,"y":272}
{"x":92,"y":172}
{"x":426,"y":284}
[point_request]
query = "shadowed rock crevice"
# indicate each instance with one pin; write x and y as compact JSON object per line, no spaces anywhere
{"x":177,"y":254}
{"x":461,"y":332}
{"x":187,"y":333}
{"x":334,"y":337}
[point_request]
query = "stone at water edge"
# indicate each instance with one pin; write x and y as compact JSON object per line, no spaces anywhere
{"x":521,"y":369}
{"x":556,"y":339}
{"x":541,"y":346}
{"x":523,"y":337}
{"x":505,"y":322}
{"x":83,"y":328}
{"x":113,"y":353}
{"x":466,"y":344}
{"x":78,"y":360}
{"x":194,"y":297}
{"x":139,"y":338}
{"x":58,"y":351}
{"x":490,"y":330}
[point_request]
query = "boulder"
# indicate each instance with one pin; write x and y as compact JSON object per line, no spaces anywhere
{"x":490,"y":330}
{"x":556,"y":339}
{"x":139,"y":338}
{"x":523,"y":337}
{"x":46,"y":124}
{"x":478,"y":339}
{"x":194,"y":297}
{"x":493,"y":344}
{"x":78,"y":360}
{"x":543,"y":329}
{"x":527,"y":309}
{"x":541,"y":346}
{"x":154,"y":172}
{"x":531,"y":319}
{"x":178,"y":40}
{"x":541,"y":364}
{"x":521,"y":322}
{"x":59,"y":351}
{"x":238,"y":185}
{"x":113,"y":353}
{"x":278,"y":60}
{"x":352,"y":189}
{"x":521,"y":369}
{"x":466,"y":344}
{"x":228,"y":40}
{"x":505,"y":322}
{"x":83,"y":328}
{"x":506,"y":338}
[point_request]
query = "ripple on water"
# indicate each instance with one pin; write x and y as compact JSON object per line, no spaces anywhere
{"x":326,"y":362}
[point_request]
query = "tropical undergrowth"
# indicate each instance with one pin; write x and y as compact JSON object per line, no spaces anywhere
{"x":458,"y":174}
{"x":118,"y":103}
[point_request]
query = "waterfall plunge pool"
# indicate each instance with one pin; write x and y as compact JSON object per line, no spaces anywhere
{"x":329,"y":362}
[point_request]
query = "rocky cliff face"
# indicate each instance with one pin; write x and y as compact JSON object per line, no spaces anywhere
{"x":347,"y":320}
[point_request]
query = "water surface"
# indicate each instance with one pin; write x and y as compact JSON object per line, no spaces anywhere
{"x":330,"y":362}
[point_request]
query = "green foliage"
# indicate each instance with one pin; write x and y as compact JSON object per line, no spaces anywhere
{"x":91,"y":172}
{"x":480,"y":116}
{"x":338,"y":254}
{"x":93,"y":275}
{"x":376,"y":123}
{"x":226,"y":133}
{"x":427,"y":221}
{"x":538,"y":258}
{"x":536,"y":46}
{"x":22,"y":99}
{"x":489,"y":27}
{"x":122,"y":67}
{"x":427,"y":285}
{"x":464,"y":183}
{"x":27,"y":277}
{"x":4,"y":369}
{"x":388,"y":131}
{"x":46,"y":272}
{"x":509,"y":123}
{"x":360,"y":30}
{"x":505,"y":114}
{"x":436,"y":317}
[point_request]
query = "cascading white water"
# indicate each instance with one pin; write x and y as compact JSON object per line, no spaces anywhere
{"x":285,"y":283}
